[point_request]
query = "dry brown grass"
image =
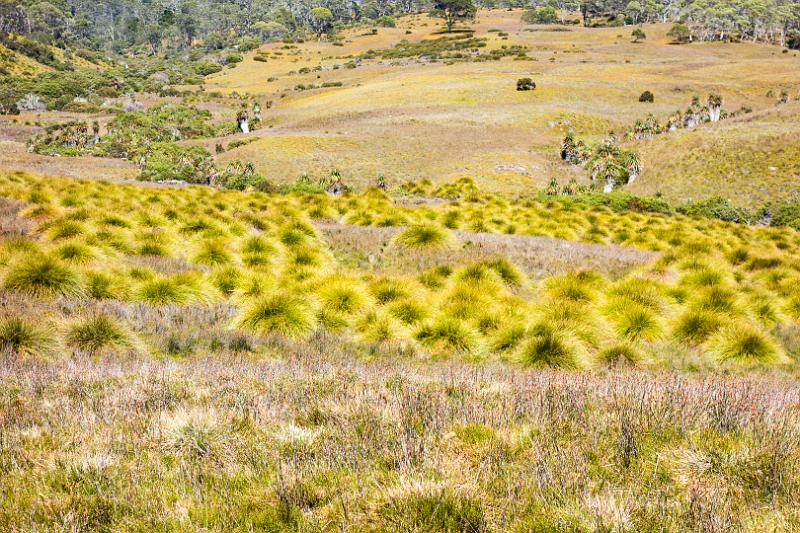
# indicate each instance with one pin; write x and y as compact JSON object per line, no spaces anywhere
{"x":539,"y":257}
{"x":321,"y":440}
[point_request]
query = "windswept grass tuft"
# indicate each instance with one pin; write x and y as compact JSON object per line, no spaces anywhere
{"x":20,"y":336}
{"x":743,"y":343}
{"x":98,"y":332}
{"x":634,"y":322}
{"x":164,"y":291}
{"x":429,"y":507}
{"x":43,"y":277}
{"x":285,"y":313}
{"x":554,"y":349}
{"x":448,"y":335}
{"x":427,"y":236}
{"x":696,"y":326}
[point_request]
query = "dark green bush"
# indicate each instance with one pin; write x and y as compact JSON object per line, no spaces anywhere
{"x":206,"y":68}
{"x":719,"y":208}
{"x":170,"y":161}
{"x":540,"y":15}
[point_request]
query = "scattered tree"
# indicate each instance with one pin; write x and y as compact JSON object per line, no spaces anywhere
{"x":680,"y":33}
{"x":321,"y":21}
{"x":638,"y":35}
{"x":540,"y":15}
{"x":453,"y":11}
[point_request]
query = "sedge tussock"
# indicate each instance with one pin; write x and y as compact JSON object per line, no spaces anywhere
{"x":448,"y":335}
{"x":409,"y":311}
{"x":624,"y":354}
{"x":633,"y":322}
{"x":696,"y":326}
{"x":43,"y":277}
{"x":424,"y":236}
{"x":98,"y":332}
{"x":282,"y":312}
{"x":743,"y":343}
{"x":22,"y":337}
{"x":426,"y":506}
{"x":178,"y":289}
{"x":553,"y":349}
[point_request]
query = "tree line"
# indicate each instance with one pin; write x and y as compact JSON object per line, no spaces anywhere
{"x":164,"y":25}
{"x":772,"y":21}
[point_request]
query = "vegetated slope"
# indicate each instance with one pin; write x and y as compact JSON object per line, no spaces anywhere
{"x":717,"y":295}
{"x":12,"y":62}
{"x":751,"y":161}
{"x":412,"y":118}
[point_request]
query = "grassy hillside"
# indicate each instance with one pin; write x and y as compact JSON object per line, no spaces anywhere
{"x":751,"y":161}
{"x":411,"y":119}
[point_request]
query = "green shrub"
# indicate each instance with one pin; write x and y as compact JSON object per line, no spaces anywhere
{"x":540,"y":15}
{"x":206,"y":68}
{"x":719,"y":208}
{"x":170,"y":161}
{"x":786,"y":214}
{"x":386,"y":22}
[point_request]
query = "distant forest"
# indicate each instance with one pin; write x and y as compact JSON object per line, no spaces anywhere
{"x":159,"y":26}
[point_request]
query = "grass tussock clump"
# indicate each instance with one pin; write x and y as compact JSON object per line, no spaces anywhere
{"x":634,"y":322}
{"x":696,"y":326}
{"x":553,"y":349}
{"x":43,"y":277}
{"x":620,"y":355}
{"x":22,"y":337}
{"x":164,"y":291}
{"x":448,"y":335}
{"x":429,"y":507}
{"x":284,"y":313}
{"x":743,"y":343}
{"x":97,"y":333}
{"x":425,"y":236}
